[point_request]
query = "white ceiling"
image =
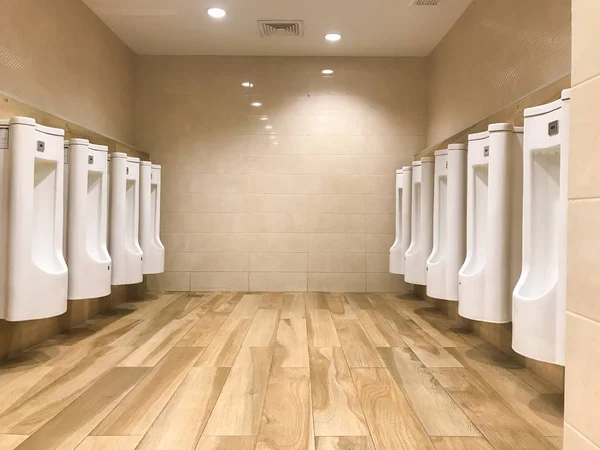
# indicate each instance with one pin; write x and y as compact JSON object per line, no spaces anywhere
{"x":369,"y":27}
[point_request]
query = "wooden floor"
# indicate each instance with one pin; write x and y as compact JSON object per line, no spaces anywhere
{"x":237,"y":371}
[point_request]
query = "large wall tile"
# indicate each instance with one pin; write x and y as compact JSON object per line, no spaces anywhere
{"x":582,"y":254}
{"x":277,"y":281}
{"x":259,"y":197}
{"x":574,"y":440}
{"x":337,"y":282}
{"x":582,"y":390}
{"x":586,"y":59}
{"x":219,"y":281}
{"x":584,"y":157}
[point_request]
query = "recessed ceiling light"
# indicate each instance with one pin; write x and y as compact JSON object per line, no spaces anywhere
{"x":327,"y":72}
{"x":264,"y":118}
{"x":247,"y":84}
{"x":268,"y":127}
{"x":256,"y":104}
{"x":216,"y":13}
{"x":333,"y":37}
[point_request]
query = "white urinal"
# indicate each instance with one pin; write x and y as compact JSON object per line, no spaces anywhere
{"x":154,"y":251}
{"x":422,"y":222}
{"x":87,"y":220}
{"x":539,"y":299}
{"x":34,"y":277}
{"x":494,"y":204}
{"x":403,"y":222}
{"x":449,"y":224}
{"x":124,"y":247}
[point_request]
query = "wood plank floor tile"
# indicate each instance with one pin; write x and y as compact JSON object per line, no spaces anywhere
{"x":293,"y":307}
{"x":109,"y":443}
{"x":247,"y":306}
{"x":345,"y":443}
{"x":227,"y":443}
{"x":203,"y":331}
{"x":223,"y":349}
{"x":503,"y":428}
{"x":424,"y":346}
{"x":438,"y":413}
{"x":226,"y":304}
{"x":27,"y":416}
{"x":136,"y":412}
{"x":239,"y":407}
{"x":537,"y":409}
{"x":148,"y":309}
{"x":272,"y":300}
{"x":263,"y":329}
{"x":321,"y":329}
{"x":11,"y":441}
{"x":439,"y":332}
{"x":153,"y":350}
{"x":287,"y":416}
{"x":339,"y":307}
{"x":379,"y":330}
{"x":291,"y":347}
{"x":180,"y":424}
{"x":69,"y":427}
{"x":315,"y":300}
{"x":392,"y":422}
{"x":336,"y":408}
{"x":17,"y":380}
{"x":359,"y":350}
{"x":461,"y":443}
{"x":358,"y":301}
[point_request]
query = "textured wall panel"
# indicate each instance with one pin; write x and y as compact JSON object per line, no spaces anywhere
{"x":56,"y":55}
{"x":496,"y":53}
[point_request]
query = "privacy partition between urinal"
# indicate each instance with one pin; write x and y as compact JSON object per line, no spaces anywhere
{"x":422,"y":222}
{"x":539,"y":298}
{"x":150,"y":188}
{"x":87,"y":220}
{"x":403,"y":225}
{"x":494,"y":210}
{"x":449,"y":224}
{"x":34,"y":277}
{"x":124,"y":247}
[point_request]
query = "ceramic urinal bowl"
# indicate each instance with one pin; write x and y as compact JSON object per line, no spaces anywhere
{"x":403,"y":225}
{"x":494,"y":210}
{"x":422,"y":222}
{"x":34,"y":279}
{"x":124,"y":247}
{"x":539,"y":299}
{"x":449,"y":222}
{"x":154,"y":251}
{"x":87,"y":220}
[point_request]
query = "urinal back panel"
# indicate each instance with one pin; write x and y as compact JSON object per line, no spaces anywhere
{"x":150,"y":190}
{"x":124,"y":248}
{"x":87,"y":253}
{"x":436,"y":263}
{"x":35,"y":240}
{"x":539,"y":298}
{"x":494,"y":204}
{"x":396,"y":254}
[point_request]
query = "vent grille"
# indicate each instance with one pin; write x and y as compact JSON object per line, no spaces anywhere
{"x":425,"y":2}
{"x":269,"y":28}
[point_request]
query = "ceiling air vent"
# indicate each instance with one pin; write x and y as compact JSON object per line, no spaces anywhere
{"x":425,"y":2}
{"x":281,"y":28}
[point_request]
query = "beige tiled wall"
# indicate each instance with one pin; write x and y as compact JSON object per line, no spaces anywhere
{"x":582,"y":384}
{"x":496,"y":53}
{"x":59,"y":57}
{"x":301,"y":201}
